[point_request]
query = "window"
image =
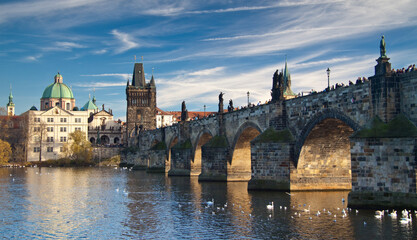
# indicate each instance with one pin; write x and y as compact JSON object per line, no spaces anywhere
{"x":57,"y":104}
{"x":63,"y":129}
{"x":50,"y":120}
{"x":37,"y":119}
{"x":63,"y":119}
{"x":50,"y":139}
{"x":61,"y":149}
{"x":36,"y":149}
{"x":37,"y":129}
{"x":63,"y":139}
{"x":77,"y":120}
{"x":77,"y":129}
{"x":49,"y":149}
{"x":68,"y":106}
{"x":36,"y":138}
{"x":50,"y":129}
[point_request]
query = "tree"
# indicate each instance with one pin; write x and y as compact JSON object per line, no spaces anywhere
{"x":3,"y":111}
{"x":5,"y":152}
{"x":38,"y":132}
{"x":78,"y":148}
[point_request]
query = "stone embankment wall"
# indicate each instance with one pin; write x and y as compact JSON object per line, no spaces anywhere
{"x":101,"y":153}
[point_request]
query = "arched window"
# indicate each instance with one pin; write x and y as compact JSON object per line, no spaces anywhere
{"x":116,"y":140}
{"x":68,"y":106}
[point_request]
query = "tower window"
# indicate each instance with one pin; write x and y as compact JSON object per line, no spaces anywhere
{"x":68,"y":106}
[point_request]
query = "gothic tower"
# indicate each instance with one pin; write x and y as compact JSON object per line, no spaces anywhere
{"x":141,"y":102}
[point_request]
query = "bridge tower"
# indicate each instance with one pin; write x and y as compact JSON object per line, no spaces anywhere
{"x":141,"y":102}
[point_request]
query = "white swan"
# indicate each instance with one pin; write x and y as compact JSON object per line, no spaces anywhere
{"x":270,"y":206}
{"x":210,"y":203}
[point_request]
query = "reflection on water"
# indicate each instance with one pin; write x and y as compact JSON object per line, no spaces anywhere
{"x":113,"y":204}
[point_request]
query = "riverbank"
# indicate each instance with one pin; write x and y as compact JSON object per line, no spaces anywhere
{"x":65,"y":162}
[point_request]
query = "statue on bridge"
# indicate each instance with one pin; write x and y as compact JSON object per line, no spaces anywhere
{"x":277,"y":91}
{"x":184,"y":112}
{"x":230,"y":107}
{"x":221,"y":102}
{"x":382,"y":47}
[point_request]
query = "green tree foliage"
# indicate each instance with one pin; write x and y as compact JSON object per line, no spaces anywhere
{"x":78,"y":148}
{"x":5,"y":152}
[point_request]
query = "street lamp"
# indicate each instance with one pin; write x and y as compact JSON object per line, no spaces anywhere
{"x":248,"y":98}
{"x":328,"y":79}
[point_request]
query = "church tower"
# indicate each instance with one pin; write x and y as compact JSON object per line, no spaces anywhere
{"x":10,"y":105}
{"x":141,"y":102}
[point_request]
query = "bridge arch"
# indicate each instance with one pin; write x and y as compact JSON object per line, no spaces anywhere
{"x":203,"y":137}
{"x":322,"y":152}
{"x":239,"y":167}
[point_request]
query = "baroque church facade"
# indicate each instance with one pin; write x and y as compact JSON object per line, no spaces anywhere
{"x":48,"y":129}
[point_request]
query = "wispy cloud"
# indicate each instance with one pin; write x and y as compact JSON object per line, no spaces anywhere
{"x":34,"y":58}
{"x":100,"y":84}
{"x":124,"y":76}
{"x":63,"y":46}
{"x":99,"y":52}
{"x":207,"y":72}
{"x":126,"y":41}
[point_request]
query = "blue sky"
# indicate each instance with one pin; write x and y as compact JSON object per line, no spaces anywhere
{"x":196,"y":48}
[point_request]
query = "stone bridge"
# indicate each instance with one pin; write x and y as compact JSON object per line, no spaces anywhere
{"x":360,"y":137}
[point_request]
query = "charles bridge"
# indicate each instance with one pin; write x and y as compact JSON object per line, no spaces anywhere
{"x":360,"y":137}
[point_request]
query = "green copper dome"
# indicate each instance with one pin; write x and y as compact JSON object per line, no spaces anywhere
{"x":57,"y":90}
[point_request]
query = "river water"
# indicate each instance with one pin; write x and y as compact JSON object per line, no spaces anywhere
{"x":108,"y":203}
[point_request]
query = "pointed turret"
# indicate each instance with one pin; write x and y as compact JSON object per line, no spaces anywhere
{"x":138,"y":79}
{"x":152,"y":83}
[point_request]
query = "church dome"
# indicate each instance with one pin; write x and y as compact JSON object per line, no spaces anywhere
{"x":57,"y":89}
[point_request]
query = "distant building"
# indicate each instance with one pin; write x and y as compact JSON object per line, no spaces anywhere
{"x":102,"y":129}
{"x":164,"y":119}
{"x":141,"y":102}
{"x":191,"y":115}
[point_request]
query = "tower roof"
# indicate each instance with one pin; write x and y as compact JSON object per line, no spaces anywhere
{"x":57,"y":89}
{"x":138,"y":79}
{"x":89,"y":106}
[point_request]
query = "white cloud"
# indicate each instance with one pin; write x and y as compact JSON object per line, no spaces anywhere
{"x":126,"y":41}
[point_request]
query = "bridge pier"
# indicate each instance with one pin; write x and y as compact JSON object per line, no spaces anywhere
{"x":214,"y":160}
{"x":271,"y":154}
{"x":181,"y":157}
{"x":384,"y":168}
{"x":156,"y":162}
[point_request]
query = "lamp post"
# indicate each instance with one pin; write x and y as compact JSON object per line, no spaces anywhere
{"x":328,"y":79}
{"x":248,"y":98}
{"x":204,"y":110}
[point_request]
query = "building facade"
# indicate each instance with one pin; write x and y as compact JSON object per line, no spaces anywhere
{"x":48,"y":131}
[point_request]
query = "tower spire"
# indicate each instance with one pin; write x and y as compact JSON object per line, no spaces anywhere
{"x":10,"y":105}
